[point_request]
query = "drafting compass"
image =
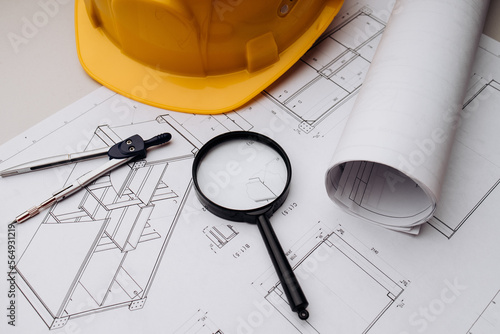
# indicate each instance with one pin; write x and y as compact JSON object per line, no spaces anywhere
{"x":132,"y":148}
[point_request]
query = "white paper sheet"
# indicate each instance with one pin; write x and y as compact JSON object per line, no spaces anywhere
{"x":390,"y":163}
{"x":85,"y":268}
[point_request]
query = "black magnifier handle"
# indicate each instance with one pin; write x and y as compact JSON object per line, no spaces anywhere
{"x":289,"y":282}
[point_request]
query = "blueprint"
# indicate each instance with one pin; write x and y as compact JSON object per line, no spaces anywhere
{"x":136,"y":252}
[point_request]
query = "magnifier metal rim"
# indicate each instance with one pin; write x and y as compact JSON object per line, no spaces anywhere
{"x":249,"y":215}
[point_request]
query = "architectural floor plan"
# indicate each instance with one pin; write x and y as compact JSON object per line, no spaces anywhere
{"x":336,"y":270}
{"x":483,"y":98}
{"x":331,"y":72}
{"x":113,"y":235}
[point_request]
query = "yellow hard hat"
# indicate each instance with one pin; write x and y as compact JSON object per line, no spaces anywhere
{"x":201,"y":56}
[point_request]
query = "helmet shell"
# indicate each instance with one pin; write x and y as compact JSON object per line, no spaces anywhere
{"x":202,"y":56}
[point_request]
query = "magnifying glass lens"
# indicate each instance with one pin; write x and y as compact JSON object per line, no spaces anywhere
{"x":242,"y":174}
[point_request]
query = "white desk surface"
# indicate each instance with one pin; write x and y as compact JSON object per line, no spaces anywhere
{"x":44,"y":75}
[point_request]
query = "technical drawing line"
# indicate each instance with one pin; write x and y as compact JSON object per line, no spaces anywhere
{"x":109,"y":221}
{"x":488,"y":321}
{"x":331,"y":81}
{"x":324,"y":251}
{"x":444,"y":221}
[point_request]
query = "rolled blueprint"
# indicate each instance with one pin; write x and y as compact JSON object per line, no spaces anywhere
{"x":391,"y":158}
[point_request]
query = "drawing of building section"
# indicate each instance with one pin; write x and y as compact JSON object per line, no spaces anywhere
{"x":331,"y":72}
{"x":220,"y":235}
{"x":489,"y":320}
{"x":199,"y":323}
{"x":201,"y":128}
{"x":101,"y":248}
{"x":348,"y":289}
{"x":475,"y":153}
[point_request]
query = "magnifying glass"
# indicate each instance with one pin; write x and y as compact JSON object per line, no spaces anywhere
{"x":245,"y":177}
